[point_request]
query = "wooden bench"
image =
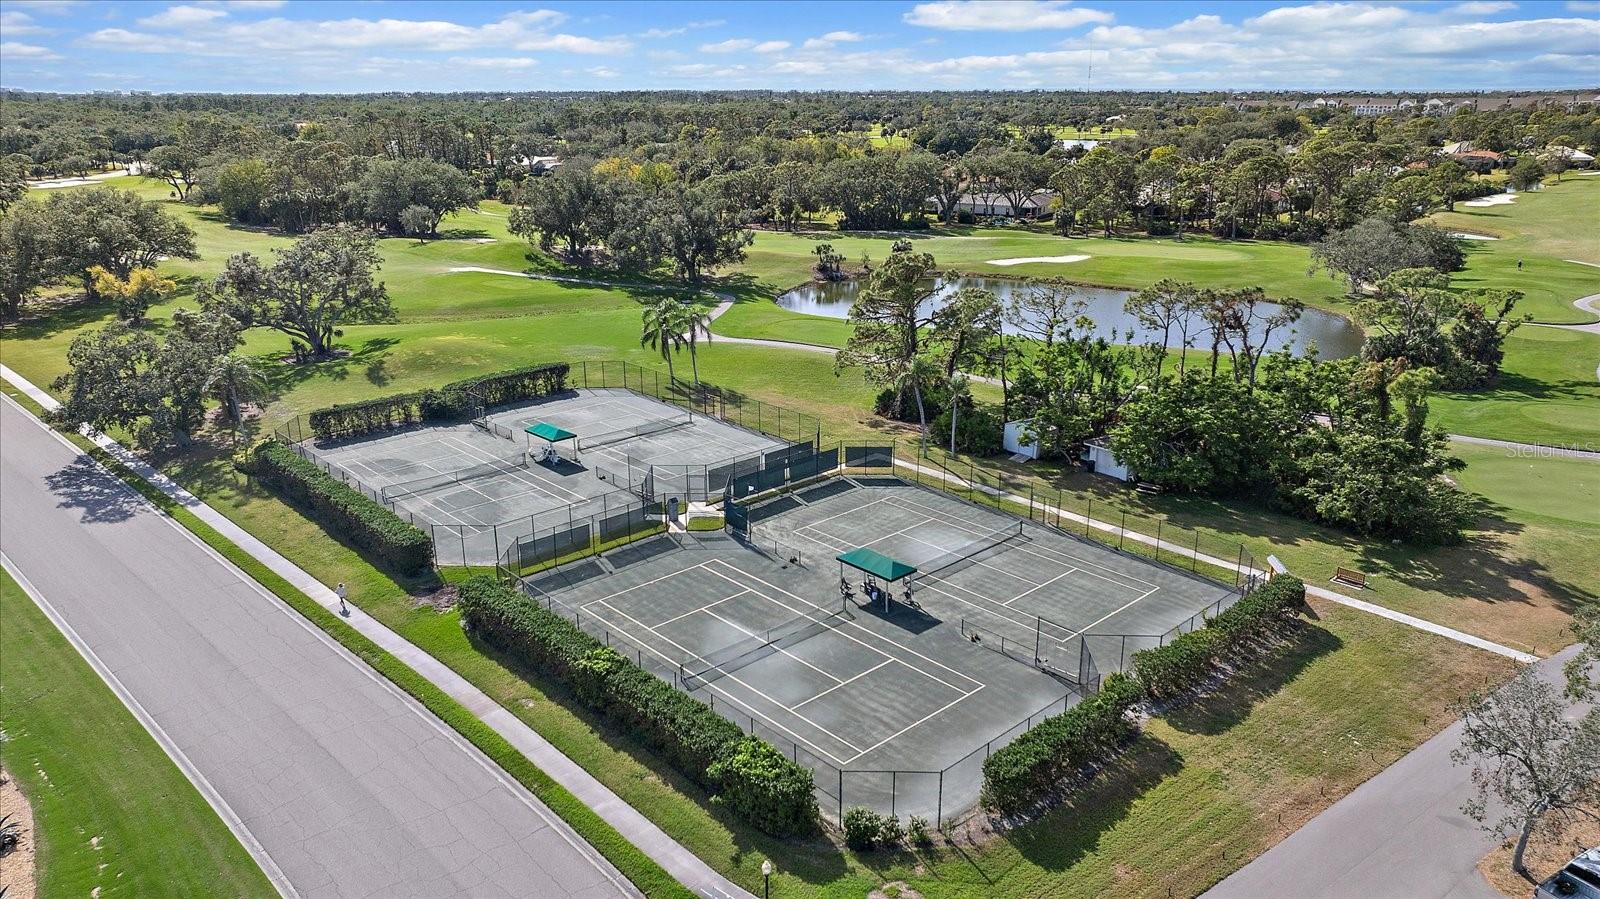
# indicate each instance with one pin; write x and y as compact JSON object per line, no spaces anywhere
{"x":1147,"y":487}
{"x":1350,"y":577}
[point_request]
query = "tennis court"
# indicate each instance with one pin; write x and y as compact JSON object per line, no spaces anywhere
{"x":1017,"y":586}
{"x":478,"y":489}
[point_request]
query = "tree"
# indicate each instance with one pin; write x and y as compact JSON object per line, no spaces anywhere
{"x":418,"y":220}
{"x":1374,"y":248}
{"x":1532,"y":768}
{"x":571,"y":205}
{"x":1451,"y":179}
{"x":13,"y":180}
{"x":697,"y":231}
{"x":115,"y":230}
{"x":962,"y":326}
{"x":887,"y":320}
{"x":960,"y":392}
{"x":28,"y":258}
{"x":177,"y":165}
{"x":1162,"y":306}
{"x":233,"y":380}
{"x":830,"y":263}
{"x":135,"y":294}
{"x":122,"y":378}
{"x":389,"y":187}
{"x":662,"y":329}
{"x":321,"y":282}
{"x":1527,"y":173}
{"x":697,"y":322}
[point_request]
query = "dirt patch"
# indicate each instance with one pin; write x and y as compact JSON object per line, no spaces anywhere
{"x":1545,"y":856}
{"x":894,"y":889}
{"x":439,"y":599}
{"x":17,"y":872}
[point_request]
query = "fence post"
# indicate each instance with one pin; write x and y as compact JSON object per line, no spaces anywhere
{"x":1194,"y":560}
{"x":1158,"y":539}
{"x":841,"y":797}
{"x":1088,"y":517}
{"x":894,"y":790}
{"x":938,"y":813}
{"x":1122,"y":530}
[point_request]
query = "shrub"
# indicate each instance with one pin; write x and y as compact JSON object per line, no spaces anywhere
{"x":388,"y":541}
{"x":453,"y":401}
{"x":917,"y":831}
{"x":754,"y":779}
{"x":1177,"y":667}
{"x":891,"y":832}
{"x":1088,"y":733}
{"x":760,"y":784}
{"x":863,"y":827}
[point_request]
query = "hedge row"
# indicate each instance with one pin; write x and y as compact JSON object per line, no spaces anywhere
{"x":1088,"y":733}
{"x":1182,"y":665}
{"x":1015,"y":776}
{"x":386,"y":540}
{"x":452,"y":401}
{"x":750,"y":776}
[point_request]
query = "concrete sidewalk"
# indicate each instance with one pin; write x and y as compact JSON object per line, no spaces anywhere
{"x":667,"y":852}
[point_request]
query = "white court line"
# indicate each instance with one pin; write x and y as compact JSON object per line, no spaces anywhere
{"x":1039,"y":586}
{"x":735,"y":624}
{"x":1114,"y":575}
{"x":880,"y":638}
{"x":840,"y":683}
{"x":736,"y":679}
{"x":896,"y":735}
{"x":1125,"y":605}
{"x":705,"y":608}
{"x":526,"y":480}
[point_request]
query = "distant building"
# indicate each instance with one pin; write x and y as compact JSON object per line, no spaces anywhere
{"x":993,"y":204}
{"x":537,"y":165}
{"x":1103,"y":461}
{"x":1576,"y":158}
{"x":1073,"y":143}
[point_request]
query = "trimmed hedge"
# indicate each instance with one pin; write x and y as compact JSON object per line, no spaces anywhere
{"x":750,"y":776}
{"x":387,"y":540}
{"x":452,"y":401}
{"x":1015,"y":776}
{"x":1182,"y":665}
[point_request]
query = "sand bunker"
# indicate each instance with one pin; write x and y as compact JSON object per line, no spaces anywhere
{"x":1463,"y":235}
{"x":1492,"y":200}
{"x":1024,"y":260}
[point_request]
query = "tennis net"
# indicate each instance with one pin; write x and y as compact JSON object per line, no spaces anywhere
{"x":444,"y":479}
{"x":967,"y":550}
{"x":758,"y":646}
{"x":639,"y":430}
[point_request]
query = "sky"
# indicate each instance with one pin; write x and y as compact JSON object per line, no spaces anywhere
{"x":331,"y":46}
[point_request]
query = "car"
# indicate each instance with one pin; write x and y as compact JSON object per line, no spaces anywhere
{"x":1579,"y":878}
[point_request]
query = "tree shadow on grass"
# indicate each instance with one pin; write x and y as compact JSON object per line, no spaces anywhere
{"x":462,"y":234}
{"x":814,"y":860}
{"x":1217,"y":712}
{"x":283,"y":377}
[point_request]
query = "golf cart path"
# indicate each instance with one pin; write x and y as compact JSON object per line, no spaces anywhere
{"x":640,"y":831}
{"x":1589,"y":304}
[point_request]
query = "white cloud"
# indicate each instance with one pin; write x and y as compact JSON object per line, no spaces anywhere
{"x":181,"y":17}
{"x":280,"y":37}
{"x":1583,"y":5}
{"x":15,"y":23}
{"x":494,"y":62}
{"x":1003,"y":15}
{"x":17,"y":50}
{"x":49,"y":7}
{"x":603,"y":72}
{"x":1482,"y":7}
{"x":254,"y":4}
{"x":733,"y":45}
{"x":656,"y":33}
{"x":771,"y":46}
{"x":832,"y":39}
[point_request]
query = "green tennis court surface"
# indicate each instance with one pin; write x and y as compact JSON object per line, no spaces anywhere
{"x":892,"y":705}
{"x":476,"y":489}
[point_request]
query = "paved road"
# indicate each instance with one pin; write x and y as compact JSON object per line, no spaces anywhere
{"x":348,"y":786}
{"x":1400,"y":834}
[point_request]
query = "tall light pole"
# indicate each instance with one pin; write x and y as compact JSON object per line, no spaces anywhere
{"x":766,"y":878}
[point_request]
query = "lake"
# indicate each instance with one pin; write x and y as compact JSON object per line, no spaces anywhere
{"x":1335,"y":336}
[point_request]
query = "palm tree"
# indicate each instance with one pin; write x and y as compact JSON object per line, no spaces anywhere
{"x":959,"y":389}
{"x":663,"y":329}
{"x":233,"y":380}
{"x":697,"y":323}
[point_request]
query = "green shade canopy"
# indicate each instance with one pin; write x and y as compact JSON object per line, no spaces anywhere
{"x":877,"y":564}
{"x":547,"y":431}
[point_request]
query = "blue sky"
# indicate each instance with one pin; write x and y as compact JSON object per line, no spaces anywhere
{"x":330,"y":46}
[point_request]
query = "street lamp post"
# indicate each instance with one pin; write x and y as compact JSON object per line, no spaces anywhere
{"x":766,"y":878}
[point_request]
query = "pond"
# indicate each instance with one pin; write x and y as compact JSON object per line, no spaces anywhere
{"x":1335,"y":337}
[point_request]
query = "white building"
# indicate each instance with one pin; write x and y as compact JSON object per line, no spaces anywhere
{"x":1097,"y":453}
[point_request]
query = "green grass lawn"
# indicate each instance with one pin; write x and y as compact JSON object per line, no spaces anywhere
{"x":113,"y":816}
{"x":1549,"y":392}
